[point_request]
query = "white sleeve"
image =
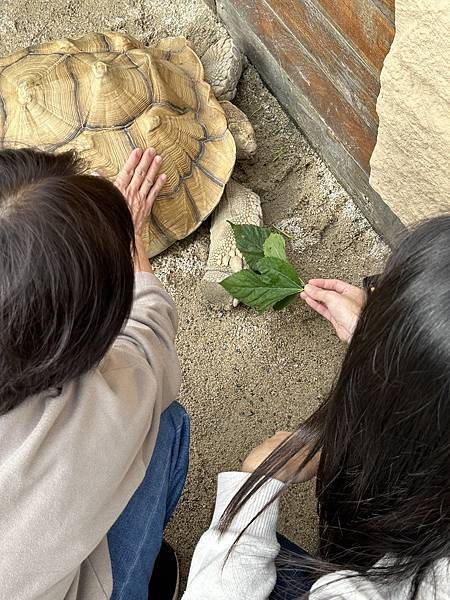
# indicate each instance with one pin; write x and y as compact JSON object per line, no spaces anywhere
{"x":249,"y":570}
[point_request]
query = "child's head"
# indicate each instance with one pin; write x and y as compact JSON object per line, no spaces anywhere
{"x":384,"y":477}
{"x":66,"y":272}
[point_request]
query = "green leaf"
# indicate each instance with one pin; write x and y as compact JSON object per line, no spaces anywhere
{"x":247,"y":286}
{"x":285,"y":302}
{"x":250,"y":241}
{"x":275,"y":246}
{"x":281,"y":273}
{"x":274,"y":282}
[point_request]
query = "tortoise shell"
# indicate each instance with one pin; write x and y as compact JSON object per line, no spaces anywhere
{"x":104,"y":95}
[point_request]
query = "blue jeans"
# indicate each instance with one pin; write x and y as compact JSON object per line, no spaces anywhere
{"x":135,"y":538}
{"x":292,"y":580}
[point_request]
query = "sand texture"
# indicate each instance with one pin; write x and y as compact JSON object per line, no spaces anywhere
{"x":245,"y":376}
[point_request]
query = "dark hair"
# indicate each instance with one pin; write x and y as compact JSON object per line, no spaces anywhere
{"x":383,"y":485}
{"x":66,"y":272}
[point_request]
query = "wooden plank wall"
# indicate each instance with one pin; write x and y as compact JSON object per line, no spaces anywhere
{"x":322,"y":60}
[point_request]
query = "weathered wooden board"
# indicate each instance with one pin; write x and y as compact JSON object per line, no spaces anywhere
{"x":344,"y":120}
{"x":387,"y":7}
{"x":322,"y":63}
{"x":342,"y":66}
{"x":371,"y":34}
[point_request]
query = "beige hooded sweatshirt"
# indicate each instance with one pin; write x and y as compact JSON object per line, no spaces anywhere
{"x":70,"y":459}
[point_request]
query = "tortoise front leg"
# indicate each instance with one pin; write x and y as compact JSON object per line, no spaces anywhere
{"x":238,"y":205}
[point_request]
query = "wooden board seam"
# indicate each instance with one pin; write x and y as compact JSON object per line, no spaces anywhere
{"x":340,"y":160}
{"x":370,"y":121}
{"x":340,"y":35}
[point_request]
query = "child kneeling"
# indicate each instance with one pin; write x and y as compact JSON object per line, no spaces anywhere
{"x":93,"y":449}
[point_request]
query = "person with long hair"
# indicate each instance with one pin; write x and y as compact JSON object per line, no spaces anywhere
{"x":93,"y":448}
{"x":379,"y":446}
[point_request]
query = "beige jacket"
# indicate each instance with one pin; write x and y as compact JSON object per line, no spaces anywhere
{"x":70,"y":459}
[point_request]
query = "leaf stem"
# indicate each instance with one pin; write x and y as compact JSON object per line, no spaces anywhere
{"x":286,"y":235}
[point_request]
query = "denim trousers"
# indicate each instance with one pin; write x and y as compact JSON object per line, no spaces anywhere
{"x":293,"y":582}
{"x":135,"y":538}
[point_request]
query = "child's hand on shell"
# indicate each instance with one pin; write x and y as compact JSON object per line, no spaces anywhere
{"x":139,"y":182}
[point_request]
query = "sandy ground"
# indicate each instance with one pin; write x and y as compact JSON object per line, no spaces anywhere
{"x":245,"y":376}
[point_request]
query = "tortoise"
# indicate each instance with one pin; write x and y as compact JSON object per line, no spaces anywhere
{"x":105,"y":94}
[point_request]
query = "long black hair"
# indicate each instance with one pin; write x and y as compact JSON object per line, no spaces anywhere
{"x":383,"y":485}
{"x":66,"y":271}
